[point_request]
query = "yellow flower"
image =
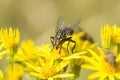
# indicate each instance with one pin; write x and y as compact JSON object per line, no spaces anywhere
{"x":15,"y":72}
{"x":44,"y":63}
{"x":106,"y":36}
{"x":116,"y":34}
{"x":27,"y":51}
{"x":10,"y":37}
{"x":47,"y":67}
{"x":1,"y":75}
{"x":105,"y":65}
{"x":49,"y":70}
{"x":110,"y":35}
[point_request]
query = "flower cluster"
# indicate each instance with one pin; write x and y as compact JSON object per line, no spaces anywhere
{"x":47,"y":63}
{"x":105,"y":60}
{"x":39,"y":62}
{"x":110,"y":36}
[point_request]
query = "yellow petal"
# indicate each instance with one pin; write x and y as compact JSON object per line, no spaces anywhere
{"x":94,"y":75}
{"x":36,"y":75}
{"x":94,"y":54}
{"x":90,"y":67}
{"x":117,"y":75}
{"x":75,"y":55}
{"x":85,"y":44}
{"x":50,"y":79}
{"x":62,"y":64}
{"x":100,"y":51}
{"x":32,"y":67}
{"x":1,"y":46}
{"x":111,"y":77}
{"x":17,"y":36}
{"x":103,"y":76}
{"x":63,"y":75}
{"x":92,"y":61}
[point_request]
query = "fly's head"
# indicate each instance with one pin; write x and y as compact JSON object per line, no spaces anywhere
{"x":56,"y":41}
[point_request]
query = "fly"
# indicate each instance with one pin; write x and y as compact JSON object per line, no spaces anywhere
{"x":62,"y":33}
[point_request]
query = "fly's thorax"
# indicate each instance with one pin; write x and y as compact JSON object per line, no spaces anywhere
{"x":68,"y":31}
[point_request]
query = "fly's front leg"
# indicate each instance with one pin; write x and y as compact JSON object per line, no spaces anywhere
{"x":74,"y":45}
{"x":52,"y":41}
{"x":60,"y":46}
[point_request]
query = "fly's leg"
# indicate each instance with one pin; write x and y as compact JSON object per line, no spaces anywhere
{"x":60,"y":46}
{"x":52,"y":39}
{"x":70,"y":40}
{"x":74,"y":45}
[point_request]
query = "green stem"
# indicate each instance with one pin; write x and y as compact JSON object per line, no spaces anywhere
{"x":13,"y":51}
{"x":11,"y":59}
{"x":118,"y":48}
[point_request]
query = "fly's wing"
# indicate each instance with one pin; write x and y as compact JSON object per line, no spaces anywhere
{"x":74,"y":24}
{"x":60,"y":23}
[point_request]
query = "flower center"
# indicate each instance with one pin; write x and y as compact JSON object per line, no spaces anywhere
{"x":108,"y":68}
{"x":48,"y":71}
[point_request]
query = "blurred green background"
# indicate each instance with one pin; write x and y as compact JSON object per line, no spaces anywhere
{"x":36,"y":19}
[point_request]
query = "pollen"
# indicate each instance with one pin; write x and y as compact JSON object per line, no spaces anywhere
{"x":48,"y":71}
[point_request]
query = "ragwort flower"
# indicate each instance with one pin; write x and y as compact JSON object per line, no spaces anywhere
{"x":106,"y":37}
{"x":110,"y":36}
{"x":44,"y":63}
{"x":47,"y":66}
{"x":105,"y":65}
{"x":105,"y":61}
{"x":10,"y":37}
{"x":15,"y":72}
{"x":27,"y":51}
{"x":116,"y":34}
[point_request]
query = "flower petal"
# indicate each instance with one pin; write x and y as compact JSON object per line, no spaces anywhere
{"x":75,"y":55}
{"x":87,"y":66}
{"x":94,"y":75}
{"x":94,"y":54}
{"x":62,"y":64}
{"x":111,"y":77}
{"x":103,"y":77}
{"x":117,"y":75}
{"x":36,"y":75}
{"x":63,"y":75}
{"x":32,"y":67}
